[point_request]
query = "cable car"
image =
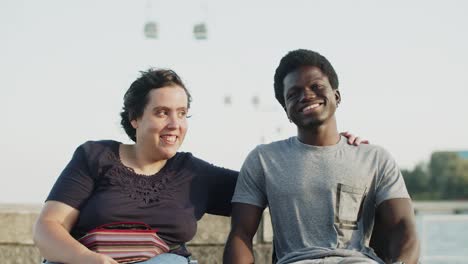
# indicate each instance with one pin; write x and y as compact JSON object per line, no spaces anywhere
{"x":200,"y":31}
{"x":151,"y":30}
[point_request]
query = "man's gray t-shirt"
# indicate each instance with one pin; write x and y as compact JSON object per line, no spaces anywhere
{"x":322,"y":200}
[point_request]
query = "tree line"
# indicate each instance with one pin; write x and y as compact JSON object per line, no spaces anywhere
{"x":444,"y":177}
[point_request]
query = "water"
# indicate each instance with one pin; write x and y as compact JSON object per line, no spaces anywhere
{"x":444,"y":238}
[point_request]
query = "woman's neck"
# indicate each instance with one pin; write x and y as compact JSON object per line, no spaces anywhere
{"x":141,"y":160}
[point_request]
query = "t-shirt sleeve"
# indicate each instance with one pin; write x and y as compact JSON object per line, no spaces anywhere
{"x":76,"y":183}
{"x":250,"y":187}
{"x":220,"y":183}
{"x":391,"y":183}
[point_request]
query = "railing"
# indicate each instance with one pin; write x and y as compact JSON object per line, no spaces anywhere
{"x":444,"y":238}
{"x":437,"y":207}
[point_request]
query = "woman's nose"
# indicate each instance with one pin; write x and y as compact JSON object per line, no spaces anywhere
{"x":173,"y":122}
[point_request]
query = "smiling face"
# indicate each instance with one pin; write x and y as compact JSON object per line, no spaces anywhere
{"x":310,"y":100}
{"x":163,"y":123}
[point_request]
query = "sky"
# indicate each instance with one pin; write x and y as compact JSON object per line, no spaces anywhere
{"x":65,"y":65}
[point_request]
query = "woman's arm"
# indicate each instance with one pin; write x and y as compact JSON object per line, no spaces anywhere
{"x":52,"y":236}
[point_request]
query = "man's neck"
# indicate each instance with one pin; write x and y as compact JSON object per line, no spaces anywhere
{"x":320,"y":135}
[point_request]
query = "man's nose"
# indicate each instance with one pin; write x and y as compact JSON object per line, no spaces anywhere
{"x":308,"y":94}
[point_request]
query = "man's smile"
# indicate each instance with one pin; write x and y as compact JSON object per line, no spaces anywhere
{"x":311,"y":107}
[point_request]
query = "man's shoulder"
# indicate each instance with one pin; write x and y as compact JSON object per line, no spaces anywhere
{"x":270,"y":151}
{"x":368,"y":149}
{"x":274,"y":145}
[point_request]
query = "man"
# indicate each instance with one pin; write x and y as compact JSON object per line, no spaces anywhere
{"x":324,"y":195}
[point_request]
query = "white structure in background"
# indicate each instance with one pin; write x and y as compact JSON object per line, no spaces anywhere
{"x":200,"y":30}
{"x":150,"y":29}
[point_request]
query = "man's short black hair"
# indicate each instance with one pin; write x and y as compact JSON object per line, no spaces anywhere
{"x":298,"y":58}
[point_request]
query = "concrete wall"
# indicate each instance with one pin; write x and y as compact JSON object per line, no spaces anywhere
{"x":16,"y":245}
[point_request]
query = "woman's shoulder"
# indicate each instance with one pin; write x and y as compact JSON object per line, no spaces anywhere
{"x":94,"y":149}
{"x":182,"y":159}
{"x":100,"y":143}
{"x":96,"y":145}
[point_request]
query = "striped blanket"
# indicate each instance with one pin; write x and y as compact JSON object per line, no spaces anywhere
{"x":126,"y":242}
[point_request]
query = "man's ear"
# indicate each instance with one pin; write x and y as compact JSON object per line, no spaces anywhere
{"x":287,"y":114}
{"x":337,"y":96}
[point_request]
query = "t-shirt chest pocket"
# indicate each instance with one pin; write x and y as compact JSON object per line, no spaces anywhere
{"x":349,"y":202}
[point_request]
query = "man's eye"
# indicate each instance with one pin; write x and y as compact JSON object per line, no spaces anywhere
{"x":318,"y":87}
{"x":291,"y":95}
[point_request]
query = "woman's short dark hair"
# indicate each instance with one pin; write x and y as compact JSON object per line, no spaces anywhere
{"x":136,"y":98}
{"x":298,"y":58}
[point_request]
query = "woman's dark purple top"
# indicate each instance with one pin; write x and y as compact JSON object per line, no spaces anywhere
{"x":104,"y":190}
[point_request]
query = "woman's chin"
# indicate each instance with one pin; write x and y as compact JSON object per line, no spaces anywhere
{"x":167,"y":154}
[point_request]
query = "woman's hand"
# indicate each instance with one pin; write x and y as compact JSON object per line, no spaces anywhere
{"x":354,"y":140}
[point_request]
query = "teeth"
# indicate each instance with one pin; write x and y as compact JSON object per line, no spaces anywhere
{"x":311,"y":107}
{"x":170,"y":139}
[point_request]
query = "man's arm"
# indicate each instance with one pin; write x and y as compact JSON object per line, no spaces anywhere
{"x":244,"y":224}
{"x":396,"y":237}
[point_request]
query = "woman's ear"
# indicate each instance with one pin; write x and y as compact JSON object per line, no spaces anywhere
{"x":134,"y":123}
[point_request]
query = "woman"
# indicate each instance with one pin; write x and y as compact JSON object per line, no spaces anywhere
{"x":148,"y":181}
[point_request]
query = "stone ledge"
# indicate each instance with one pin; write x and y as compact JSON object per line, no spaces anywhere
{"x":205,"y":254}
{"x":19,"y":254}
{"x":16,"y":222}
{"x":212,"y":229}
{"x":267,"y":229}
